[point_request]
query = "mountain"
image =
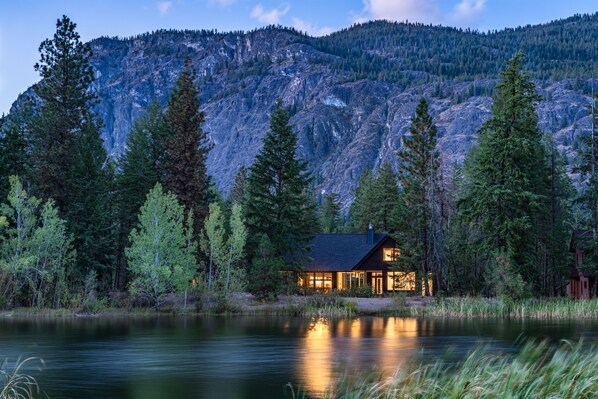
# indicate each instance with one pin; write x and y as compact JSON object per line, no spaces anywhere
{"x":351,"y":94}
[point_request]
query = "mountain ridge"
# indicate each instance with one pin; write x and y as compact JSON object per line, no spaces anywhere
{"x":351,"y":100}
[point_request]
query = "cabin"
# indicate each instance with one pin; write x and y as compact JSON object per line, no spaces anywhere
{"x":349,"y":261}
{"x":581,"y":285}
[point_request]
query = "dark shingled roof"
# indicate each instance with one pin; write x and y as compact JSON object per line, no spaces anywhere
{"x":340,"y":252}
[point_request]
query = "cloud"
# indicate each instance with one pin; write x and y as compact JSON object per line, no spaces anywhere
{"x":164,"y":7}
{"x":269,"y":16}
{"x":222,"y":3}
{"x":425,"y":11}
{"x":468,"y":9}
{"x":310,"y":29}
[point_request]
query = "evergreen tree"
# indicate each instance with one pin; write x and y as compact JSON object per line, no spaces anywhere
{"x":237,"y":193}
{"x":419,"y":176}
{"x":505,"y":179}
{"x":66,"y":103}
{"x":140,"y":171}
{"x":278,"y":204}
{"x":264,"y":274}
{"x":184,"y":170}
{"x":14,"y":146}
{"x":588,"y":167}
{"x":363,"y":209}
{"x":161,"y":257}
{"x":330,"y":214}
{"x":385,"y":197}
{"x":90,"y":213}
{"x":68,"y":158}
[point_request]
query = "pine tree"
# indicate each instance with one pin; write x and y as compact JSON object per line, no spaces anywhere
{"x":385,"y":197}
{"x":67,"y":156}
{"x":505,"y":179}
{"x":419,"y":176}
{"x":330,"y":214}
{"x":66,"y":103}
{"x":14,"y":146}
{"x":237,"y":193}
{"x":278,"y":204}
{"x":588,"y":167}
{"x":363,"y":209}
{"x":184,"y":170}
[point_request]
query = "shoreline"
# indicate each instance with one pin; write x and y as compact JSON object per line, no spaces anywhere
{"x":309,"y":306}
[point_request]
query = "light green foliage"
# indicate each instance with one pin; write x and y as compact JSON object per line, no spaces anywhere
{"x":213,"y":242}
{"x":235,"y":275}
{"x":35,"y":249}
{"x":161,"y":258}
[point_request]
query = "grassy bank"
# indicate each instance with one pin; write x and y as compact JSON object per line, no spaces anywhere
{"x":538,"y":371}
{"x":557,"y":308}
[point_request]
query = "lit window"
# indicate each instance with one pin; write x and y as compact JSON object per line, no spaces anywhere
{"x":391,"y":254}
{"x":401,"y":281}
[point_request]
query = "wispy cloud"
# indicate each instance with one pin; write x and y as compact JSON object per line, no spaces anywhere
{"x":310,"y":29}
{"x":222,"y":3}
{"x":468,"y":10}
{"x":269,"y":16}
{"x":425,"y":11}
{"x":164,"y":7}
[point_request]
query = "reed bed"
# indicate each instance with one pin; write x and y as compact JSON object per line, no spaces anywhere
{"x":15,"y":383}
{"x":537,"y":371}
{"x":557,"y":308}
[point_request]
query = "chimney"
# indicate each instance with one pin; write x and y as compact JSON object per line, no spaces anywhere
{"x":370,"y":235}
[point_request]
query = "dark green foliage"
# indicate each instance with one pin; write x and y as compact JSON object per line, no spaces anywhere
{"x":14,"y":147}
{"x":139,"y":172}
{"x":385,"y":197}
{"x":67,"y":154}
{"x":89,"y":212}
{"x":278,"y":204}
{"x":418,"y":224}
{"x":265,"y":280}
{"x":66,"y":103}
{"x":506,"y":176}
{"x":363,"y":208}
{"x":330,"y":217}
{"x":184,"y":170}
{"x":237,"y":194}
{"x":557,"y":50}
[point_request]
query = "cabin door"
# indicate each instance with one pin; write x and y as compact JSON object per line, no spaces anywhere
{"x":377,"y":285}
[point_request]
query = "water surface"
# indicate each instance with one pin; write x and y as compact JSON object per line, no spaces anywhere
{"x":247,"y":357}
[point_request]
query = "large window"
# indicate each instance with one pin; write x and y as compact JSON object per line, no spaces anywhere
{"x":401,"y":281}
{"x":346,"y":281}
{"x":391,"y":254}
{"x":319,"y":281}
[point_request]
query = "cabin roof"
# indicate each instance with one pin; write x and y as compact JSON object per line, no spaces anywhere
{"x":341,"y":252}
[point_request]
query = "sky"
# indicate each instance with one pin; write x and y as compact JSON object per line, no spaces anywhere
{"x":24,"y":24}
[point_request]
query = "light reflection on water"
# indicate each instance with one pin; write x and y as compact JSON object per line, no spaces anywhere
{"x":246,"y":357}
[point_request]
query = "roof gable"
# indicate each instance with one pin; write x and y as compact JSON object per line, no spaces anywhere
{"x":340,"y":252}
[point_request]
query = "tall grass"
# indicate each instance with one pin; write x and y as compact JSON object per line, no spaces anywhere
{"x":558,"y":308}
{"x":538,"y":371}
{"x":15,"y":383}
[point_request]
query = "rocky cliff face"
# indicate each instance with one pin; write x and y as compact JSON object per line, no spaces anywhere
{"x":343,"y":124}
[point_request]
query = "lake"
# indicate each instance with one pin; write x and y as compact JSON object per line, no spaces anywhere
{"x":247,"y":357}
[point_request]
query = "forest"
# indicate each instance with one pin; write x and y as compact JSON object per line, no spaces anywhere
{"x":77,"y":226}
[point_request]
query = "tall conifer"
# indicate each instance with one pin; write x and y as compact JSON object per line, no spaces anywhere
{"x":184,"y":170}
{"x":505,"y":179}
{"x":278,"y":205}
